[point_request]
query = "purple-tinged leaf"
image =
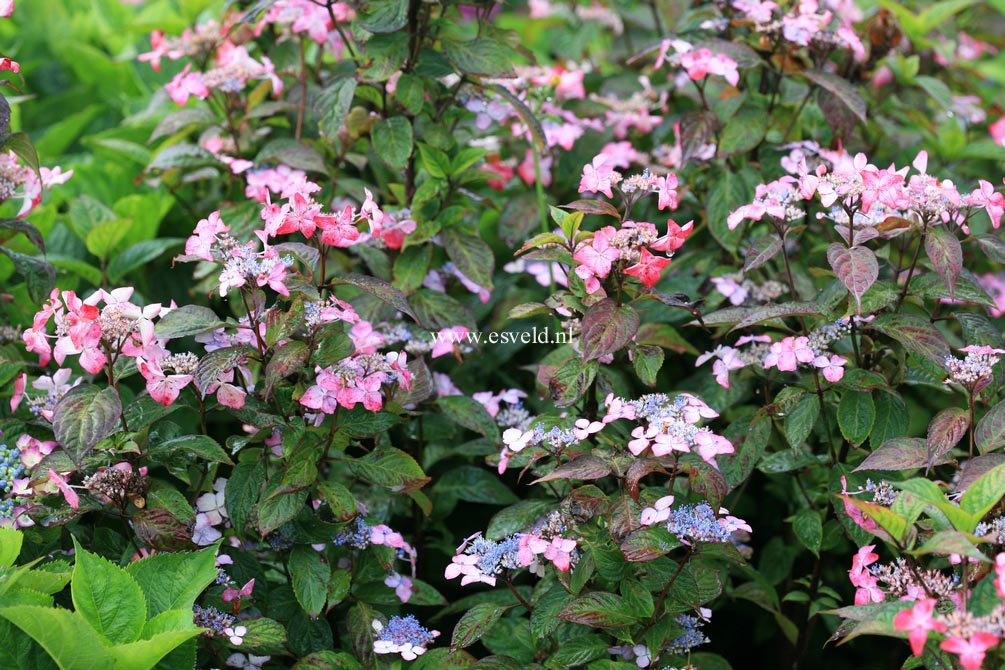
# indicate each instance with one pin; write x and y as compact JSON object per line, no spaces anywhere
{"x":379,"y":289}
{"x":539,"y":240}
{"x":944,"y":250}
{"x":841,"y":89}
{"x":219,"y":362}
{"x":916,"y":334}
{"x":599,"y":610}
{"x":593,"y":207}
{"x":475,"y":623}
{"x":768,"y":312}
{"x":583,"y":468}
{"x":761,"y":250}
{"x":990,"y":432}
{"x":985,"y":492}
{"x":974,"y":468}
{"x":646,"y":544}
{"x":945,"y":431}
{"x":83,"y":417}
{"x":856,"y":267}
{"x":286,"y":360}
{"x":900,"y":453}
{"x":607,"y":328}
{"x":641,"y":467}
{"x":743,"y":55}
{"x":945,"y":542}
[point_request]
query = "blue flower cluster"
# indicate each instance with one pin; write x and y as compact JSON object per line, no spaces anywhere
{"x":406,"y":630}
{"x":692,"y":636}
{"x":356,"y":535}
{"x":697,"y":522}
{"x":11,"y":468}
{"x":494,"y":557}
{"x":212,"y":619}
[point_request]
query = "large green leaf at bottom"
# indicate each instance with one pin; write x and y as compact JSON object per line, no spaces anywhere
{"x":66,"y":636}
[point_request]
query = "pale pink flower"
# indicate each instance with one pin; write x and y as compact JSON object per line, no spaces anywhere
{"x":597,"y":177}
{"x":72,"y":499}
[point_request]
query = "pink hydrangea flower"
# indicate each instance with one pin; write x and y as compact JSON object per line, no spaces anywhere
{"x":597,"y":176}
{"x":972,"y":651}
{"x":918,"y":620}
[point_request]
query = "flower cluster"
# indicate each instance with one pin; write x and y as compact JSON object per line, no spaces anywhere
{"x":358,"y":534}
{"x":14,"y":176}
{"x":693,"y":523}
{"x":671,"y":425}
{"x":402,"y":635}
{"x":976,"y":370}
{"x":356,"y":380}
{"x":482,"y":560}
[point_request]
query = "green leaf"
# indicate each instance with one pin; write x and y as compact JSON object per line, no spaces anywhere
{"x":891,"y":418}
{"x":411,"y":267}
{"x":278,"y":506}
{"x":310,"y":575}
{"x":107,"y":597}
{"x":383,"y":16}
{"x":599,"y":609}
{"x":292,"y":152}
{"x":241,"y":494}
{"x":856,"y":414}
{"x":64,"y":635}
{"x":392,"y":140}
{"x":607,"y":328}
{"x":435,"y":310}
{"x":571,"y":381}
{"x":179,"y":120}
{"x":481,"y":56}
{"x":104,"y":239}
{"x":470,"y":254}
{"x":173,"y":581}
{"x":201,"y":446}
{"x":390,"y":468}
{"x":744,"y":131}
{"x":984,"y":493}
{"x":809,"y":530}
{"x":84,"y":416}
{"x":340,"y":500}
{"x":147,"y":653}
{"x":515,"y":518}
{"x":328,"y":660}
{"x":730,"y":191}
{"x":138,"y":255}
{"x":187,"y":320}
{"x":472,"y":484}
{"x":469,"y":413}
{"x":475,"y":623}
{"x":801,"y":419}
{"x":647,"y":360}
{"x":409,"y":92}
{"x":334,"y":103}
{"x":10,"y":546}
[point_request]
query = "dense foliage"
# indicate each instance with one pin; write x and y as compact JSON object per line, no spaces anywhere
{"x":391,"y":333}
